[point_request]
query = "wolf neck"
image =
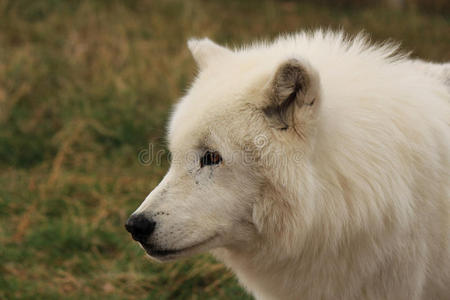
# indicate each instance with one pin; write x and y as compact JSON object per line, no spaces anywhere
{"x":268,"y":274}
{"x":321,"y":271}
{"x":266,"y":266}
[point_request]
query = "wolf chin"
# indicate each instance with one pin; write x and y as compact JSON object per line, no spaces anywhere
{"x":316,"y":166}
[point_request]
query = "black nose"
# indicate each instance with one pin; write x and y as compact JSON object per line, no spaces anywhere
{"x":140,"y":227}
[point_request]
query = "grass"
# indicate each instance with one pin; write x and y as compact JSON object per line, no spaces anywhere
{"x":86,"y":85}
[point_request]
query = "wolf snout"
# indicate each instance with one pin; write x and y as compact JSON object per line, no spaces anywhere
{"x":140,"y":227}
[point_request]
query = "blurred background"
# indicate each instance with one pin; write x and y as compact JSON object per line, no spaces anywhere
{"x":85,"y":92}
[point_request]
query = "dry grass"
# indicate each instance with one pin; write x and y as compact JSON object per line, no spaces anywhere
{"x":85,"y":85}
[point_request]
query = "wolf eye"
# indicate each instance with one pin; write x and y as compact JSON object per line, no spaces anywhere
{"x":210,"y":158}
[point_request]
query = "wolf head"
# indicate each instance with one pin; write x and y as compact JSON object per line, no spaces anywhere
{"x":246,"y":124}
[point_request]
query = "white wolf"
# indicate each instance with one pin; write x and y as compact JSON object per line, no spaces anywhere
{"x":315,"y":167}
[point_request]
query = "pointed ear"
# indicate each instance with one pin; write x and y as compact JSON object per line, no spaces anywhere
{"x":204,"y":50}
{"x":294,"y":93}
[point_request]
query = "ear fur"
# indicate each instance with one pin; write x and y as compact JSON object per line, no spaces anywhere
{"x":204,"y":50}
{"x":293,"y":90}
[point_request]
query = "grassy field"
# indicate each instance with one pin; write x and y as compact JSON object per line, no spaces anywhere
{"x":84,"y":87}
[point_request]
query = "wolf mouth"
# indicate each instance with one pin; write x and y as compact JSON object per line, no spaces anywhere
{"x":164,"y":254}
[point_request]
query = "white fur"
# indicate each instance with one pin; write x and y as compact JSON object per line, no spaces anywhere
{"x":350,"y":202}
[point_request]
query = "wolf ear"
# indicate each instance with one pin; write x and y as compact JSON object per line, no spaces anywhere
{"x":294,"y":94}
{"x":204,"y":50}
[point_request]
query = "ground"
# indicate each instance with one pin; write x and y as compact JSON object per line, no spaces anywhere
{"x":85,"y":88}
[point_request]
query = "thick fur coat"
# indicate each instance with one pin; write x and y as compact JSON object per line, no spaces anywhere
{"x":315,"y":166}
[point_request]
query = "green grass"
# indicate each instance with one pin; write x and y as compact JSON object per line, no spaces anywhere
{"x":86,"y":85}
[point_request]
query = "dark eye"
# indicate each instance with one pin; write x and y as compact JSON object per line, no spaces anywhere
{"x":210,"y":158}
